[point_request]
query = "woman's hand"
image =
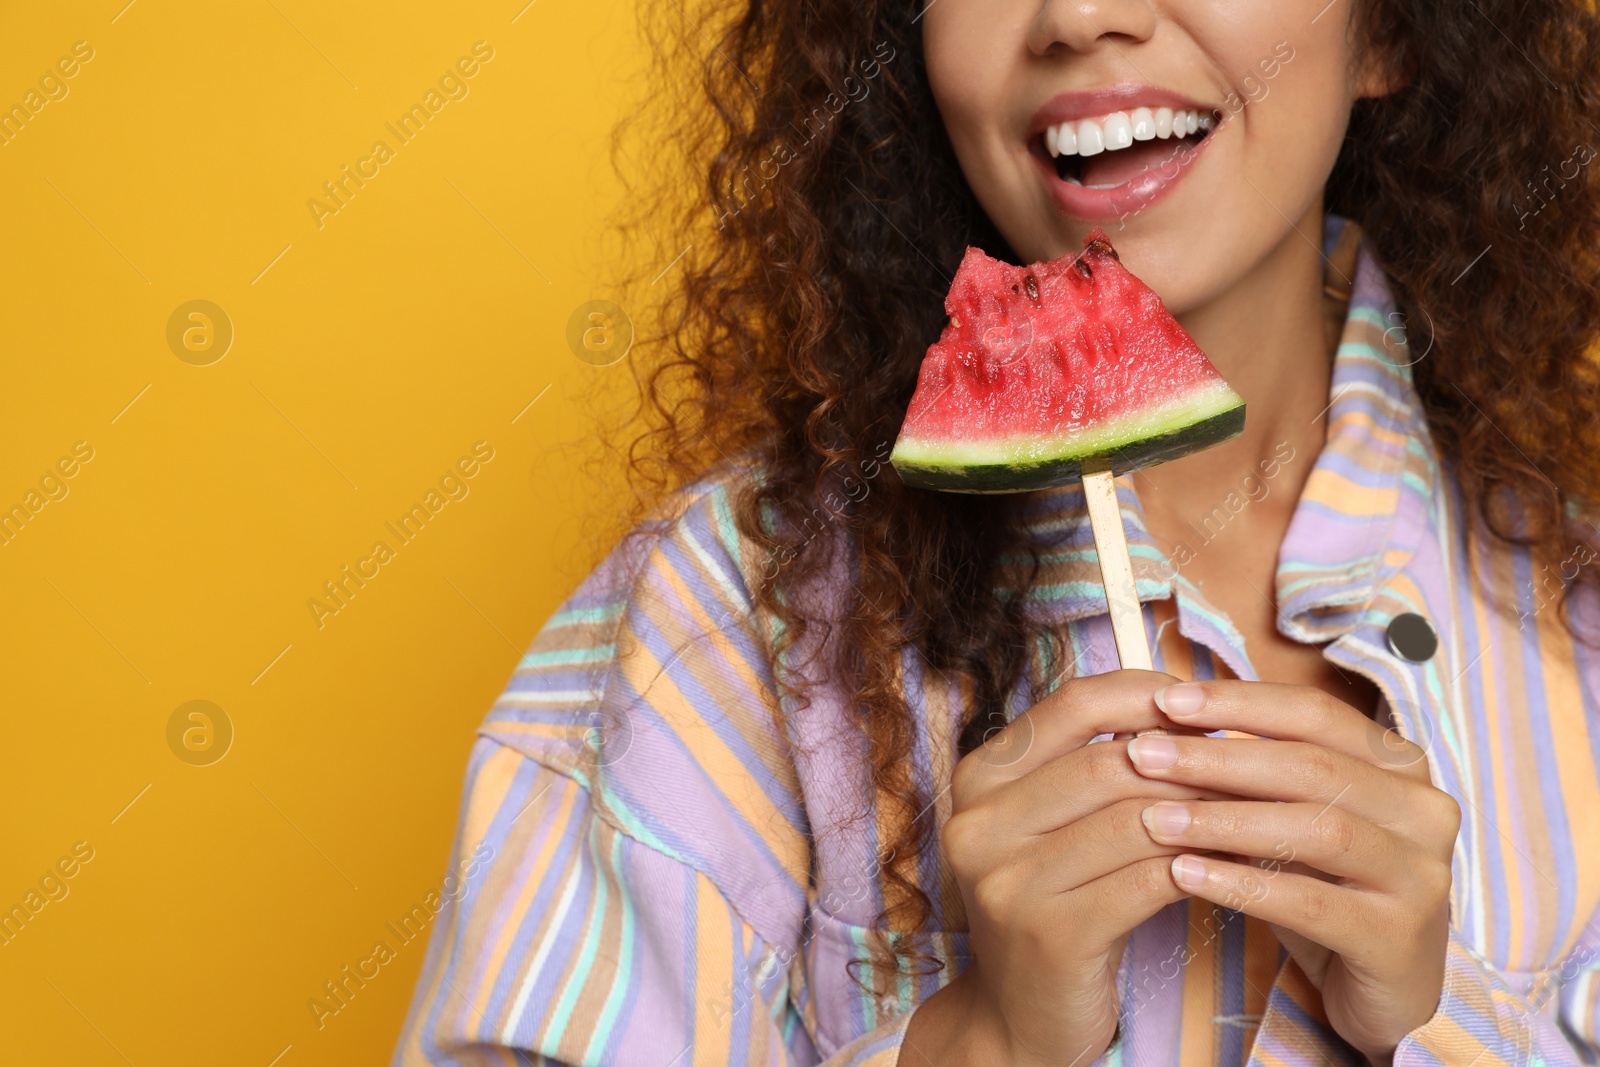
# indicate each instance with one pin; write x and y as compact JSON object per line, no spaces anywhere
{"x":1055,"y":869}
{"x":1364,"y":910}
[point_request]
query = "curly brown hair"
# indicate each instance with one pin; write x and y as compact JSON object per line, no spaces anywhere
{"x":825,"y":214}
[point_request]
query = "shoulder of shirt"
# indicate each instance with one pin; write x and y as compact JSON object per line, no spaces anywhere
{"x":650,"y":687}
{"x":688,"y":540}
{"x":1509,"y":580}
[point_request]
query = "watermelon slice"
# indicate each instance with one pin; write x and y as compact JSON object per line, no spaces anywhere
{"x":1051,"y":371}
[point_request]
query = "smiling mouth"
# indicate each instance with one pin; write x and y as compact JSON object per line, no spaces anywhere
{"x":1111,"y":150}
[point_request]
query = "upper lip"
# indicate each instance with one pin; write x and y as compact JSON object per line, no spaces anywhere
{"x":1070,"y":106}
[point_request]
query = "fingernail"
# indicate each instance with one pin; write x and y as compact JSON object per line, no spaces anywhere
{"x":1152,"y":753}
{"x":1188,"y":871}
{"x":1168,"y":820}
{"x":1181,"y":699}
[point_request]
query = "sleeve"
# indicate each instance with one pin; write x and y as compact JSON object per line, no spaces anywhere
{"x":564,"y":939}
{"x":631,"y":864}
{"x":1483,"y":1020}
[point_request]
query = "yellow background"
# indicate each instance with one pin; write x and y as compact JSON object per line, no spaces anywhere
{"x":368,"y":356}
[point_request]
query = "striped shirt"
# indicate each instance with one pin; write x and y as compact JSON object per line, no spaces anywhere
{"x":655,"y":872}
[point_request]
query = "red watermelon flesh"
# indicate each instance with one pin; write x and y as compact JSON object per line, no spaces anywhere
{"x":1053,"y":370}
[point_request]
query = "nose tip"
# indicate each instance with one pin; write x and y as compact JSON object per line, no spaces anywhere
{"x":1082,"y":25}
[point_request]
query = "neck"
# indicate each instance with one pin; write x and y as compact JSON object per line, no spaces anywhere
{"x":1265,"y":335}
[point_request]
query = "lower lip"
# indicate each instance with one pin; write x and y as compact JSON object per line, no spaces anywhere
{"x":1129,"y":198}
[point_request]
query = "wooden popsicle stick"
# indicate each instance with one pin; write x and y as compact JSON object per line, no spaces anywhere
{"x":1116,"y":571}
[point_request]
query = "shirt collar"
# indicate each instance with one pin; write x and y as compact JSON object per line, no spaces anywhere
{"x":1364,"y":508}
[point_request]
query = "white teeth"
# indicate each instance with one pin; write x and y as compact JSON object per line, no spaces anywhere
{"x":1091,"y":139}
{"x":1120,"y":129}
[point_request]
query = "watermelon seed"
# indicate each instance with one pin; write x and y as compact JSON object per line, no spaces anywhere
{"x":1102,"y":247}
{"x":1083,"y":267}
{"x":1033,"y":286}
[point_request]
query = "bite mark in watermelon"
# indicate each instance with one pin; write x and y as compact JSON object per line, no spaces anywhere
{"x":1050,"y":371}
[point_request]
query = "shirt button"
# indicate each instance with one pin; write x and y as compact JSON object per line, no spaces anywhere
{"x":1411,"y":637}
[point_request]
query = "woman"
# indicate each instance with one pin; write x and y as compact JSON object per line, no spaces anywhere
{"x":820,"y":769}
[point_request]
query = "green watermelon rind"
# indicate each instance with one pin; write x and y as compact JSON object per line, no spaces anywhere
{"x":921,"y":468}
{"x":1027,"y":447}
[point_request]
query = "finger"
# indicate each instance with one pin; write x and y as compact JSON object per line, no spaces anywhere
{"x":1294,"y":771}
{"x":1121,"y":900}
{"x":1076,"y":785}
{"x":1077,"y":711}
{"x":1327,"y":838}
{"x":1340,"y":918}
{"x":1022,"y":814}
{"x":1291,"y":713}
{"x":1092,"y":847}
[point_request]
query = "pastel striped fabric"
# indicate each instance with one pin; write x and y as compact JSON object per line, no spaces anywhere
{"x":681,"y":872}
